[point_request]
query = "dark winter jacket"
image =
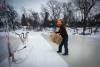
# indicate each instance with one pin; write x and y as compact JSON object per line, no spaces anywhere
{"x":63,"y":32}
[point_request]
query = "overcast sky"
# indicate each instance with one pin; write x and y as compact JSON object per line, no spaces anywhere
{"x":34,"y":5}
{"x":29,"y":4}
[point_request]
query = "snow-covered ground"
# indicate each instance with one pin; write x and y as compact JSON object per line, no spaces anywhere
{"x":78,"y":31}
{"x":38,"y":53}
{"x":84,"y":50}
{"x":41,"y":52}
{"x":75,"y":32}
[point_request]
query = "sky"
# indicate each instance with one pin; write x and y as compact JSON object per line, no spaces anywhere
{"x":34,"y":5}
{"x":29,"y":4}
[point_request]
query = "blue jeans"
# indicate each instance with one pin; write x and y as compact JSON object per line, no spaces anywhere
{"x":65,"y":43}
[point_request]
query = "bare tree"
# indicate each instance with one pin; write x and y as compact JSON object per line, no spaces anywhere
{"x":36,"y":19}
{"x":8,"y":13}
{"x":45,"y":16}
{"x":54,"y":9}
{"x":52,"y":12}
{"x":68,"y":13}
{"x":85,"y":7}
{"x":43,"y":11}
{"x":23,"y":20}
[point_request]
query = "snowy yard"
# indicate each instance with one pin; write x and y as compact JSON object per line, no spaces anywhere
{"x":38,"y":53}
{"x":78,"y":31}
{"x":84,"y":50}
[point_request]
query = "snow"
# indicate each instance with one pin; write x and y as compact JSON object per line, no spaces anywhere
{"x":77,"y":33}
{"x":38,"y":53}
{"x":84,"y":50}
